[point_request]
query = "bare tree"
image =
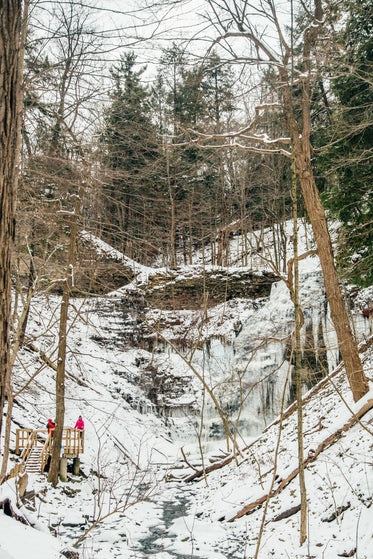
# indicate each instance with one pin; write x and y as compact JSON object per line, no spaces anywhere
{"x":235,"y":23}
{"x":298,"y":364}
{"x":18,"y":333}
{"x":62,"y":343}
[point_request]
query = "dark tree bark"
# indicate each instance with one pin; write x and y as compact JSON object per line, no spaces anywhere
{"x":13,"y":20}
{"x":302,"y":154}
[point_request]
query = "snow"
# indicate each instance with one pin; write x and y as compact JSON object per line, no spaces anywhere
{"x":104,"y":248}
{"x":135,"y":488}
{"x":24,"y":541}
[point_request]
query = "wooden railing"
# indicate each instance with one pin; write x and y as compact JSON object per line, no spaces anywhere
{"x":30,"y":442}
{"x":72,"y":441}
{"x":26,"y":439}
{"x":45,"y":452}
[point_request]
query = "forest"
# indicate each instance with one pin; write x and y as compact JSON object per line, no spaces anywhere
{"x":178,"y":157}
{"x":153,"y":188}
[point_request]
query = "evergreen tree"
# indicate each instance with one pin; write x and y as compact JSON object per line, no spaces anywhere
{"x":198,"y":97}
{"x":350,"y":156}
{"x":130,"y":154}
{"x":218,"y":80}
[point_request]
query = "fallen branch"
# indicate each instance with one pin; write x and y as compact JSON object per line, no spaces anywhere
{"x":123,"y":450}
{"x":215,"y":466}
{"x":312,"y":455}
{"x":187,"y":461}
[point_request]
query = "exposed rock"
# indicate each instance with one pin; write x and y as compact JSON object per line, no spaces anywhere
{"x":191,"y":290}
{"x":6,"y":506}
{"x":70,"y":554}
{"x":100,"y":277}
{"x":164,"y":389}
{"x":93,"y":274}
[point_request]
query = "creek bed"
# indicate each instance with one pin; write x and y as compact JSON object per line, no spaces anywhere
{"x":157,"y":541}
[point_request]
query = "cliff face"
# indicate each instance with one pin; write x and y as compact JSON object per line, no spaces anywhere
{"x":229,"y":327}
{"x":196,"y":288}
{"x":241,"y":347}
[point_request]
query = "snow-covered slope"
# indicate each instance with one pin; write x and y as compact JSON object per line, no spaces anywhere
{"x":141,"y":403}
{"x":175,"y":518}
{"x":339,"y":480}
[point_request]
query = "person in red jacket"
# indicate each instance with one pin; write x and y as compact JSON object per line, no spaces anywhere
{"x":50,"y":426}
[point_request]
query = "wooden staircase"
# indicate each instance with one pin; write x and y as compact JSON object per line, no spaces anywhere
{"x":35,"y":447}
{"x":33,"y":462}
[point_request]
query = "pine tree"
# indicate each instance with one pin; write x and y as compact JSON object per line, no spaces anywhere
{"x":198,"y":97}
{"x":130,"y":154}
{"x":350,"y":156}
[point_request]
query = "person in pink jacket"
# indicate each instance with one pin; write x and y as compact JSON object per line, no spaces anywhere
{"x":79,"y":424}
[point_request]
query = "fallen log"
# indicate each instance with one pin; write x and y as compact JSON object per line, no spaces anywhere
{"x":215,"y":466}
{"x":287,"y":513}
{"x":312,"y":455}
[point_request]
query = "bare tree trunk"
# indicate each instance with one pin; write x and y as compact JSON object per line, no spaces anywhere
{"x":13,"y":22}
{"x":30,"y":291}
{"x":191,"y":229}
{"x":18,"y":336}
{"x":62,"y":343}
{"x":302,"y":154}
{"x":173,"y":215}
{"x":316,"y":214}
{"x":298,"y":366}
{"x":8,"y":424}
{"x":173,"y":230}
{"x":346,"y":342}
{"x":185,"y":251}
{"x":219,"y":258}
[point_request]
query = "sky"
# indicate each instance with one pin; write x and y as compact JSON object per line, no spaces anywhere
{"x":148,"y":27}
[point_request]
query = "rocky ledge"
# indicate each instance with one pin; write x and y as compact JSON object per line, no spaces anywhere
{"x":193,"y":289}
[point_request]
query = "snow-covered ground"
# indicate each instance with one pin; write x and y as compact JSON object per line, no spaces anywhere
{"x":134,"y":495}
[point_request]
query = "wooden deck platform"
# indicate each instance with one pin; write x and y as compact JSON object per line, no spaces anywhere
{"x":35,"y":447}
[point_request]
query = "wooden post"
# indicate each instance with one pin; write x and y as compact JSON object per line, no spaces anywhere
{"x":17,"y":443}
{"x":22,"y":485}
{"x":63,"y":469}
{"x":76,"y":465}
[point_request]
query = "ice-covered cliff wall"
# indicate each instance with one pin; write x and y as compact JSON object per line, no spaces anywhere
{"x":248,"y":366}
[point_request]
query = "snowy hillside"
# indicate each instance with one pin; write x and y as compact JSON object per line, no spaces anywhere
{"x":135,"y":373}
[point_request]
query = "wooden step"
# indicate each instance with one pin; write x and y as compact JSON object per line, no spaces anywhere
{"x":33,"y":463}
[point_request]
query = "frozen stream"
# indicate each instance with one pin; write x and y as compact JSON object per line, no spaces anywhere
{"x":158,"y":540}
{"x":165,"y":540}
